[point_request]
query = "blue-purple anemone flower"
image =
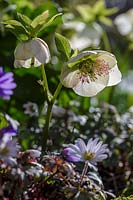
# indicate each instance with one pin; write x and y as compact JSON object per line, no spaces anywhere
{"x":12,"y":127}
{"x":8,"y":149}
{"x":95,"y":151}
{"x":6,"y":84}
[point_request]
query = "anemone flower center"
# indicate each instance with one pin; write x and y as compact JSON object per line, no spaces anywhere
{"x":4,"y":151}
{"x":90,"y":69}
{"x":88,"y":155}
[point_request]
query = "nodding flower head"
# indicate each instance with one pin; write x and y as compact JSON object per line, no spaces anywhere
{"x":90,"y":72}
{"x":31,"y":53}
{"x":95,"y":151}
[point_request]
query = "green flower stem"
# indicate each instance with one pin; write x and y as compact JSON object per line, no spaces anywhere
{"x":106,"y":41}
{"x":50,"y":100}
{"x":45,"y":85}
{"x":57,"y":91}
{"x":47,"y":123}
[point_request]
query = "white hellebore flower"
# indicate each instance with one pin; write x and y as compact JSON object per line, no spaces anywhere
{"x":84,"y":35}
{"x":95,"y":151}
{"x":90,"y":72}
{"x":31,"y":53}
{"x":124,"y":22}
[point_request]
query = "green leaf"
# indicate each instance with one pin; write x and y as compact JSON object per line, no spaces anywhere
{"x":42,"y":26}
{"x":40,"y":19}
{"x":18,"y":31}
{"x":51,"y":21}
{"x":63,"y":45}
{"x":99,"y":6}
{"x":124,"y":198}
{"x":26,"y":21}
{"x":105,"y":20}
{"x":3,"y":121}
{"x":13,"y":23}
{"x":75,"y":53}
{"x":110,"y":11}
{"x":86,"y":12}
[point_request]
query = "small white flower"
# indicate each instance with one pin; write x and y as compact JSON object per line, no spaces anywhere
{"x":31,"y":109}
{"x":90,"y":72}
{"x":31,"y":53}
{"x":95,"y":151}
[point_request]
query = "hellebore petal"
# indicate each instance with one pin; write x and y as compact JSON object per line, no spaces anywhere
{"x":107,"y":57}
{"x":92,"y":88}
{"x":31,"y":53}
{"x":114,"y":76}
{"x":69,"y":77}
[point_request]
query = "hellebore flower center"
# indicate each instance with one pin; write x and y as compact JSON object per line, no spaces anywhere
{"x":89,"y":69}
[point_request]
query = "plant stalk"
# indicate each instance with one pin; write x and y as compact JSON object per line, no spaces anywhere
{"x":50,"y":101}
{"x":84,"y":172}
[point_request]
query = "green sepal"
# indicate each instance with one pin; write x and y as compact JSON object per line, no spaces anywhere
{"x":63,"y":45}
{"x":91,"y":58}
{"x":3,"y":121}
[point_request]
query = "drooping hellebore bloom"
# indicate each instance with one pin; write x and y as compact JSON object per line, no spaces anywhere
{"x":90,"y":72}
{"x":31,"y":53}
{"x":6,"y":84}
{"x":95,"y":151}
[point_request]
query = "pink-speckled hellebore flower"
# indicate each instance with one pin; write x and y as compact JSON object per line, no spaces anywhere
{"x":90,"y":72}
{"x":33,"y":52}
{"x":6,"y":84}
{"x":95,"y":151}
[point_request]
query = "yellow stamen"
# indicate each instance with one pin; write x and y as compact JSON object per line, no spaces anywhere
{"x":88,"y":155}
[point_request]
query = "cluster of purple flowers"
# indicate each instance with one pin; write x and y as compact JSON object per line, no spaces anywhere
{"x":6,"y":84}
{"x":8,"y":145}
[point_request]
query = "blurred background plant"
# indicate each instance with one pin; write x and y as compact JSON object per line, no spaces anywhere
{"x":106,"y":25}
